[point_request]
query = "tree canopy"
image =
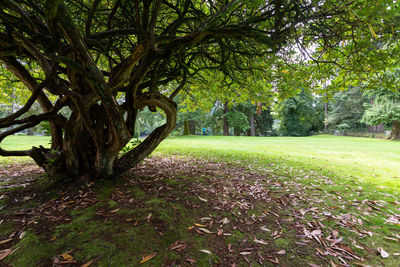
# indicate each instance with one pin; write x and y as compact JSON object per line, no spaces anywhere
{"x":105,"y":60}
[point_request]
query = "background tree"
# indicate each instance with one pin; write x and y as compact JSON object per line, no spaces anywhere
{"x":347,"y":108}
{"x":298,"y":115}
{"x":264,"y":122}
{"x":105,"y":61}
{"x":385,"y":107}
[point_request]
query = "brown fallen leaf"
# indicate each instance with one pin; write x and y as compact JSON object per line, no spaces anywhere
{"x":360,"y":264}
{"x":6,"y":241}
{"x":178,"y":246}
{"x":220,"y":232}
{"x":87,"y":263}
{"x":148,"y":257}
{"x":190,"y":227}
{"x":68,"y":262}
{"x":5,"y":253}
{"x":192,"y":261}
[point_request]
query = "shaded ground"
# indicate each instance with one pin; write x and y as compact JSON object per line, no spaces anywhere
{"x":176,"y":211}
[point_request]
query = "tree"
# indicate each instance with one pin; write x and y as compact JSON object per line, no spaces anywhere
{"x":298,"y":116}
{"x":238,"y":121}
{"x":264,"y":121}
{"x":104,"y":61}
{"x":347,"y":108}
{"x":385,"y":108}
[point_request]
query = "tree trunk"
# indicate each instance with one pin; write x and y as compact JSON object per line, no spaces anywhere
{"x":326,"y":116}
{"x":226,"y":126}
{"x":82,"y":155}
{"x":395,"y":133}
{"x":252,"y":125}
{"x":186,"y":128}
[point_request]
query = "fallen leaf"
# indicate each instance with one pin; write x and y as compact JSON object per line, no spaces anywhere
{"x":5,"y":254}
{"x":6,"y":241}
{"x":265,"y":229}
{"x":220,"y":232}
{"x":205,"y":251}
{"x":260,"y":241}
{"x":205,"y":230}
{"x":202,"y":199}
{"x":148,"y":257}
{"x":178,"y":246}
{"x":190,"y":227}
{"x":114,"y":211}
{"x":87,"y":263}
{"x":22,"y":234}
{"x":281,"y":252}
{"x":200,"y":225}
{"x":224,"y":221}
{"x":383,"y":253}
{"x":360,"y":264}
{"x":67,"y":257}
{"x":245,"y":253}
{"x":192,"y":261}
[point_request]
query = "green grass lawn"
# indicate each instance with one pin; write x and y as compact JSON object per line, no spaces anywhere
{"x":21,"y":142}
{"x":364,"y":159}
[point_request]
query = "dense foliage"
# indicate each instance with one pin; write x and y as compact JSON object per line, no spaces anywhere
{"x":347,"y":108}
{"x":385,"y":109}
{"x":298,"y":116}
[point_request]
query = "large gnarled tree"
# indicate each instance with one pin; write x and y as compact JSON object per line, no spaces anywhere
{"x":105,"y":60}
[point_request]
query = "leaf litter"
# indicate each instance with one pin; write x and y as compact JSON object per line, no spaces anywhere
{"x":291,"y":211}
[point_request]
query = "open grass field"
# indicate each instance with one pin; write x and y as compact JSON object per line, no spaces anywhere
{"x":212,"y":201}
{"x":365,"y":159}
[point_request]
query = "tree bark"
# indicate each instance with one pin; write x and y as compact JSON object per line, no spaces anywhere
{"x":252,"y":125}
{"x":395,"y":133}
{"x":226,"y":126}
{"x":326,"y":116}
{"x":153,"y":140}
{"x":186,"y":129}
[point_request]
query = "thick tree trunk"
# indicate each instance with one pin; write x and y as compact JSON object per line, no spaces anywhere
{"x":226,"y":126}
{"x":81,"y":155}
{"x":395,"y":133}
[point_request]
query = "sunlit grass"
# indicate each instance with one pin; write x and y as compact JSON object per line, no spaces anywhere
{"x":365,"y":159}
